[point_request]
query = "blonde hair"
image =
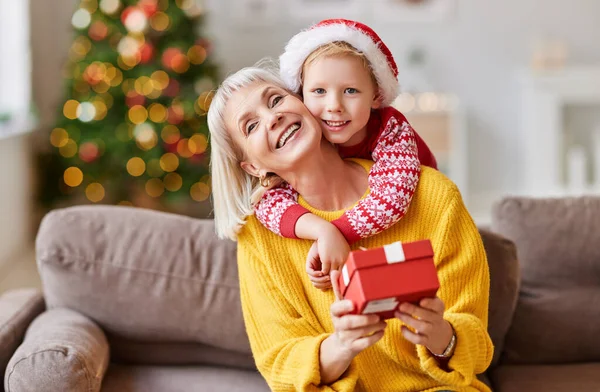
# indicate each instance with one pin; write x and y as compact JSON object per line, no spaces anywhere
{"x":338,"y":49}
{"x":233,"y":190}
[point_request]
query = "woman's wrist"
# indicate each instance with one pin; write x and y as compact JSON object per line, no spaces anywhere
{"x":333,"y":360}
{"x":447,"y":342}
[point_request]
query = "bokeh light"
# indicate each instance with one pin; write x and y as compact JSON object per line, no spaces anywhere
{"x":136,"y":166}
{"x":59,"y":137}
{"x":109,"y":7}
{"x":154,"y":187}
{"x":145,"y":136}
{"x":73,"y":176}
{"x":200,"y":191}
{"x":81,"y":19}
{"x":94,"y":192}
{"x":170,"y":134}
{"x":169,"y":162}
{"x":70,"y":109}
{"x":138,"y":114}
{"x":86,"y":112}
{"x":160,"y":21}
{"x":173,"y":182}
{"x":183,"y":148}
{"x":197,"y":54}
{"x":198,"y":143}
{"x":69,"y":149}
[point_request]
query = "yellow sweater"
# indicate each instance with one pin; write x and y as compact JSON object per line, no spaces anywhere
{"x":287,"y":318}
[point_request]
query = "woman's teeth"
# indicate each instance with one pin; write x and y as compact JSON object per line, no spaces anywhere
{"x":336,"y":123}
{"x":291,"y":130}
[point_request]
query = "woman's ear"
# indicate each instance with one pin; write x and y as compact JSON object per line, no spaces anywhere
{"x":250,"y":169}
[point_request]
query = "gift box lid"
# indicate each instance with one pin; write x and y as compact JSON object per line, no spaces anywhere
{"x":396,"y":252}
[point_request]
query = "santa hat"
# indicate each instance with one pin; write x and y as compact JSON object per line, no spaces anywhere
{"x":360,"y":36}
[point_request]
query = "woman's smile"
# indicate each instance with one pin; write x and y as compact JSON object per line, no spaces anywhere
{"x":288,"y":135}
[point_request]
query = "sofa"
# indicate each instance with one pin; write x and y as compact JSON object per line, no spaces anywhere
{"x":138,"y":300}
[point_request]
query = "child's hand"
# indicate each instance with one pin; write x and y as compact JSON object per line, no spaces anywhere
{"x":327,"y":254}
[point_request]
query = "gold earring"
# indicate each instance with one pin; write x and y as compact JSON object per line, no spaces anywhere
{"x":264,"y":181}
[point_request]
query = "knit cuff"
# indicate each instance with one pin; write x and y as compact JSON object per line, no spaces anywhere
{"x":472,"y":354}
{"x":344,"y":226}
{"x":289,"y":219}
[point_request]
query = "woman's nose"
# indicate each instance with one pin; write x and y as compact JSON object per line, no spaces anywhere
{"x":275,"y":120}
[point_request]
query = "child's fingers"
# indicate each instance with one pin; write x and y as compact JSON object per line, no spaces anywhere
{"x":311,"y":271}
{"x":325,"y":268}
{"x":335,"y":274}
{"x":319,"y":279}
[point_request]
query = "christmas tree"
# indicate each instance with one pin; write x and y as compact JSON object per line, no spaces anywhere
{"x":132,"y":128}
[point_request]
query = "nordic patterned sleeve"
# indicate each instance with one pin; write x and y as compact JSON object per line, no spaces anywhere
{"x":393,"y":180}
{"x":278,"y":210}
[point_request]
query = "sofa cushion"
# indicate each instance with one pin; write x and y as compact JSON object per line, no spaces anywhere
{"x":152,"y":353}
{"x":18,"y":308}
{"x":143,"y":275}
{"x":557,"y":319}
{"x":62,"y":351}
{"x":546,"y":378}
{"x":181,"y":379}
{"x":504,"y":287}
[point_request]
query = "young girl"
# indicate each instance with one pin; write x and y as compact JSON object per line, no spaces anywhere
{"x":347,"y":78}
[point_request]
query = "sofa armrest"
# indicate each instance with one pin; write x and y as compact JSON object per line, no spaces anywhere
{"x":18,"y":308}
{"x":62,"y":351}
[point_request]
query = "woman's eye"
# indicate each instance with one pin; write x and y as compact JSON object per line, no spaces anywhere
{"x":276,"y":100}
{"x":351,"y":90}
{"x":250,"y":128}
{"x":319,"y":91}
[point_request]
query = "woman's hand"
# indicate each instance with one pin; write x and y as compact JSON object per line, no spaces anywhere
{"x":328,"y":253}
{"x":427,"y":320}
{"x":353,"y":333}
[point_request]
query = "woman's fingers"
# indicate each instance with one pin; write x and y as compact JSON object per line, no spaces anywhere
{"x":436,"y":304}
{"x":413,"y":337}
{"x":341,"y":307}
{"x":365,"y":342}
{"x":418,"y":312}
{"x":421,"y":326}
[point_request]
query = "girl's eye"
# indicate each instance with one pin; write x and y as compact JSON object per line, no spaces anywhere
{"x":250,"y":128}
{"x":276,"y":100}
{"x":319,"y":91}
{"x":351,"y":90}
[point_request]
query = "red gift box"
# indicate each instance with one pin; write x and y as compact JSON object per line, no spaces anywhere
{"x":379,"y":280}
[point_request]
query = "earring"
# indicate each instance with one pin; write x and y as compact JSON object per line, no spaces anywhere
{"x":264,"y":181}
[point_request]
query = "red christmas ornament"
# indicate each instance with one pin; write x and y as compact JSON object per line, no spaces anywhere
{"x":134,"y":99}
{"x":150,"y":7}
{"x":89,"y":152}
{"x":146,"y":53}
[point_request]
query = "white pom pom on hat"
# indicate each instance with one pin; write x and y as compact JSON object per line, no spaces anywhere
{"x":360,"y":36}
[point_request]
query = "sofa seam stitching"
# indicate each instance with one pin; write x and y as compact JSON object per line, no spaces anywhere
{"x":75,"y":355}
{"x":45,"y":259}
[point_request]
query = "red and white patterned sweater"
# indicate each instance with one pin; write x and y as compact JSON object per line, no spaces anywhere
{"x":398,"y":152}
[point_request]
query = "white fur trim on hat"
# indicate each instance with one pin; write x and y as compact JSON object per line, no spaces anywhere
{"x":305,"y":42}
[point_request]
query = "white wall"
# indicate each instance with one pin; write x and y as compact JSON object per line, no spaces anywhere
{"x":477,"y":55}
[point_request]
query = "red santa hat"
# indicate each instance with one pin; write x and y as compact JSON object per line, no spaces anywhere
{"x":360,"y":36}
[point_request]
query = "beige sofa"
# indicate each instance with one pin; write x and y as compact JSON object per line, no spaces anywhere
{"x":135,"y":300}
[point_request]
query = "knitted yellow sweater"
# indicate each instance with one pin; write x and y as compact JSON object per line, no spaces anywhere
{"x":287,"y":318}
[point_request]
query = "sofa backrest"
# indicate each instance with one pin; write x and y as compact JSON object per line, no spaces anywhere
{"x":145,"y":276}
{"x":557,"y":319}
{"x":504,"y":287}
{"x":165,"y":289}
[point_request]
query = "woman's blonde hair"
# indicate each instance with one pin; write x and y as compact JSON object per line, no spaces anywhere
{"x":233,"y":190}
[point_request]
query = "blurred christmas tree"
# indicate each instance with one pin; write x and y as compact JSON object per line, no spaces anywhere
{"x":132,"y":129}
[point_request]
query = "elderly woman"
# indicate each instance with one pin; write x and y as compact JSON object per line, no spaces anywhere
{"x":307,"y":339}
